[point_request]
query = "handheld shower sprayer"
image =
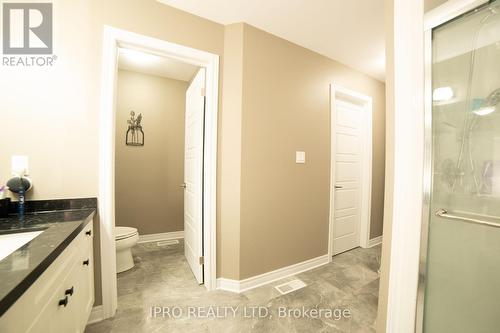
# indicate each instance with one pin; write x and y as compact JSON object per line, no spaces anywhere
{"x":489,"y":104}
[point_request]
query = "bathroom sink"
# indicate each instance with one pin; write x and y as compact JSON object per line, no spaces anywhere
{"x":9,"y":242}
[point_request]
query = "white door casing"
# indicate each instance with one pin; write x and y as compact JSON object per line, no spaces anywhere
{"x":351,"y":169}
{"x":193,"y":174}
{"x":114,"y":38}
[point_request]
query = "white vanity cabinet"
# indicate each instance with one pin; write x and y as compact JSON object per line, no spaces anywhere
{"x":61,"y":299}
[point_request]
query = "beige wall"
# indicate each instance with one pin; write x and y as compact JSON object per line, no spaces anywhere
{"x":59,"y":106}
{"x":62,"y":108}
{"x":58,"y":110}
{"x":431,"y":4}
{"x":148,"y":195}
{"x":285,"y":107}
{"x":229,"y":166}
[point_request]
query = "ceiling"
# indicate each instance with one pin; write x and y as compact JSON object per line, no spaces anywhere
{"x":146,"y":63}
{"x":349,"y":31}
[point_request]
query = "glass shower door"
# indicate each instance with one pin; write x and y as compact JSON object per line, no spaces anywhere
{"x":462,"y":288}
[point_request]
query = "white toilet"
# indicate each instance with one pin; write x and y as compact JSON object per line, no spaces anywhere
{"x":126,"y":238}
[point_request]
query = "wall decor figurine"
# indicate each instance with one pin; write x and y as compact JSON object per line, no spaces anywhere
{"x":135,"y":135}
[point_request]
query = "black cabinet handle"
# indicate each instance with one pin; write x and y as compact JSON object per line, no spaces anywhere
{"x":69,"y":291}
{"x":86,"y":262}
{"x":88,"y":233}
{"x":63,"y":301}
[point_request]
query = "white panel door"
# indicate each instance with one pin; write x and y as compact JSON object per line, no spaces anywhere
{"x":193,"y":174}
{"x":348,"y":139}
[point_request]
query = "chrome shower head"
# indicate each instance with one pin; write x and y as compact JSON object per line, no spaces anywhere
{"x":493,"y":98}
{"x":489,"y":104}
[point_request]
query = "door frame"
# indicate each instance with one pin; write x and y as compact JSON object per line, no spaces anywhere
{"x":434,"y":18}
{"x":113,"y":38}
{"x":337,"y":91}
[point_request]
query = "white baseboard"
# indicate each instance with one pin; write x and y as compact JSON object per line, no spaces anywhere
{"x":161,"y":236}
{"x":375,"y":241}
{"x":96,"y":315}
{"x":228,"y":285}
{"x":238,"y":286}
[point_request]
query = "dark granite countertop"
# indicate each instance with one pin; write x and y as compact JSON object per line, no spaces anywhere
{"x":21,"y":268}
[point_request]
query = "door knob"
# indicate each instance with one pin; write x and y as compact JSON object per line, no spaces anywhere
{"x":338,"y":187}
{"x":183,"y":185}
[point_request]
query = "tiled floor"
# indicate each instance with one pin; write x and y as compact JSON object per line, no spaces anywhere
{"x":162,"y":278}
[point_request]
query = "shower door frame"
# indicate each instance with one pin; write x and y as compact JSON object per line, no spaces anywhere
{"x":434,"y":18}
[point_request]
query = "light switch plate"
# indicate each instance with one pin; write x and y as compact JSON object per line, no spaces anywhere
{"x":300,"y":157}
{"x":20,"y":165}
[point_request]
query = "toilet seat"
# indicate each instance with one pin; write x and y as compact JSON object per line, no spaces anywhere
{"x":124,"y":232}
